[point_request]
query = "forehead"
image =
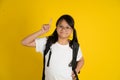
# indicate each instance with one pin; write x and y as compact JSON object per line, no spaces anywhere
{"x":63,"y":23}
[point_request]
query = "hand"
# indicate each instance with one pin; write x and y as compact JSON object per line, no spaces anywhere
{"x":73,"y":76}
{"x":46,"y":27}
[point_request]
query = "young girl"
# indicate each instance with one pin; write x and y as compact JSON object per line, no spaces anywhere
{"x":57,"y":49}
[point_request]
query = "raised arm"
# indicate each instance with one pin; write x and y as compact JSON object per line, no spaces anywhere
{"x":30,"y":39}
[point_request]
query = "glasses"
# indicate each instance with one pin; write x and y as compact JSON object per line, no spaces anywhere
{"x":65,"y":28}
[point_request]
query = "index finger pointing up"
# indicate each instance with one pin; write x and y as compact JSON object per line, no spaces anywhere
{"x":50,"y":22}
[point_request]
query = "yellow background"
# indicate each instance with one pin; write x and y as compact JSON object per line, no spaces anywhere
{"x":98,"y":27}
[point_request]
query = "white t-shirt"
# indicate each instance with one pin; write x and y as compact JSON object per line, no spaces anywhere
{"x":61,"y":56}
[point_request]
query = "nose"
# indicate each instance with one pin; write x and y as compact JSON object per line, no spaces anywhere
{"x":63,"y":28}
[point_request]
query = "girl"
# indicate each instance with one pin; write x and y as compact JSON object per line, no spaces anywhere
{"x":57,"y":49}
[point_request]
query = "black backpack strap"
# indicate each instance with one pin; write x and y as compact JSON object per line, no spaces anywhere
{"x":48,"y":62}
{"x":45,"y":53}
{"x":74,"y":62}
{"x":50,"y":52}
{"x":43,"y":74}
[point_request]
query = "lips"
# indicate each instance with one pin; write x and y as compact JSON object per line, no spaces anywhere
{"x":63,"y":32}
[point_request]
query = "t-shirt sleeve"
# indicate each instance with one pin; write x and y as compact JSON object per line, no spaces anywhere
{"x":40,"y":44}
{"x":79,"y":56}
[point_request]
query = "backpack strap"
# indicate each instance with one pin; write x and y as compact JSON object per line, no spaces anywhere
{"x":74,"y":60}
{"x":43,"y":74}
{"x":45,"y":53}
{"x":50,"y":52}
{"x":48,"y":62}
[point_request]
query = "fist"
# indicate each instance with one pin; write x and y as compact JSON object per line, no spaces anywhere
{"x":45,"y":28}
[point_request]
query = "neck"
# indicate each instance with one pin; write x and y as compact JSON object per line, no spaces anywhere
{"x":63,"y":41}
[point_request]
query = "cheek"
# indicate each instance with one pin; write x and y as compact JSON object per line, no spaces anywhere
{"x":70,"y":32}
{"x":57,"y":30}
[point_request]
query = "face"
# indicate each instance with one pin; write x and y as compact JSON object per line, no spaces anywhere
{"x":64,"y":30}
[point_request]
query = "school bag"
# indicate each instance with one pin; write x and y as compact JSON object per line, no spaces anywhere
{"x":75,"y":48}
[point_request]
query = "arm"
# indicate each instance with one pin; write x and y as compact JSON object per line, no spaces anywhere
{"x":80,"y":64}
{"x":78,"y":68}
{"x":30,"y":39}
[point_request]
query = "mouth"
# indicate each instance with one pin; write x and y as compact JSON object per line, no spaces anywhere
{"x":63,"y":32}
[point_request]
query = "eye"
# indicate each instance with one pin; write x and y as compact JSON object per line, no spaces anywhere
{"x":60,"y":26}
{"x":68,"y":27}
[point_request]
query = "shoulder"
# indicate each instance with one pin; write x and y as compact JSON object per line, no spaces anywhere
{"x":40,"y":44}
{"x":42,"y":40}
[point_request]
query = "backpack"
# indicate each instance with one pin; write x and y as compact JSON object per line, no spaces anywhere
{"x":75,"y":48}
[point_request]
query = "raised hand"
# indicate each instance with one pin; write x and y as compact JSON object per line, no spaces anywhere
{"x":30,"y":39}
{"x":46,"y":27}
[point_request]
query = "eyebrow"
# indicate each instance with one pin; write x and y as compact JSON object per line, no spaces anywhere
{"x":64,"y":26}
